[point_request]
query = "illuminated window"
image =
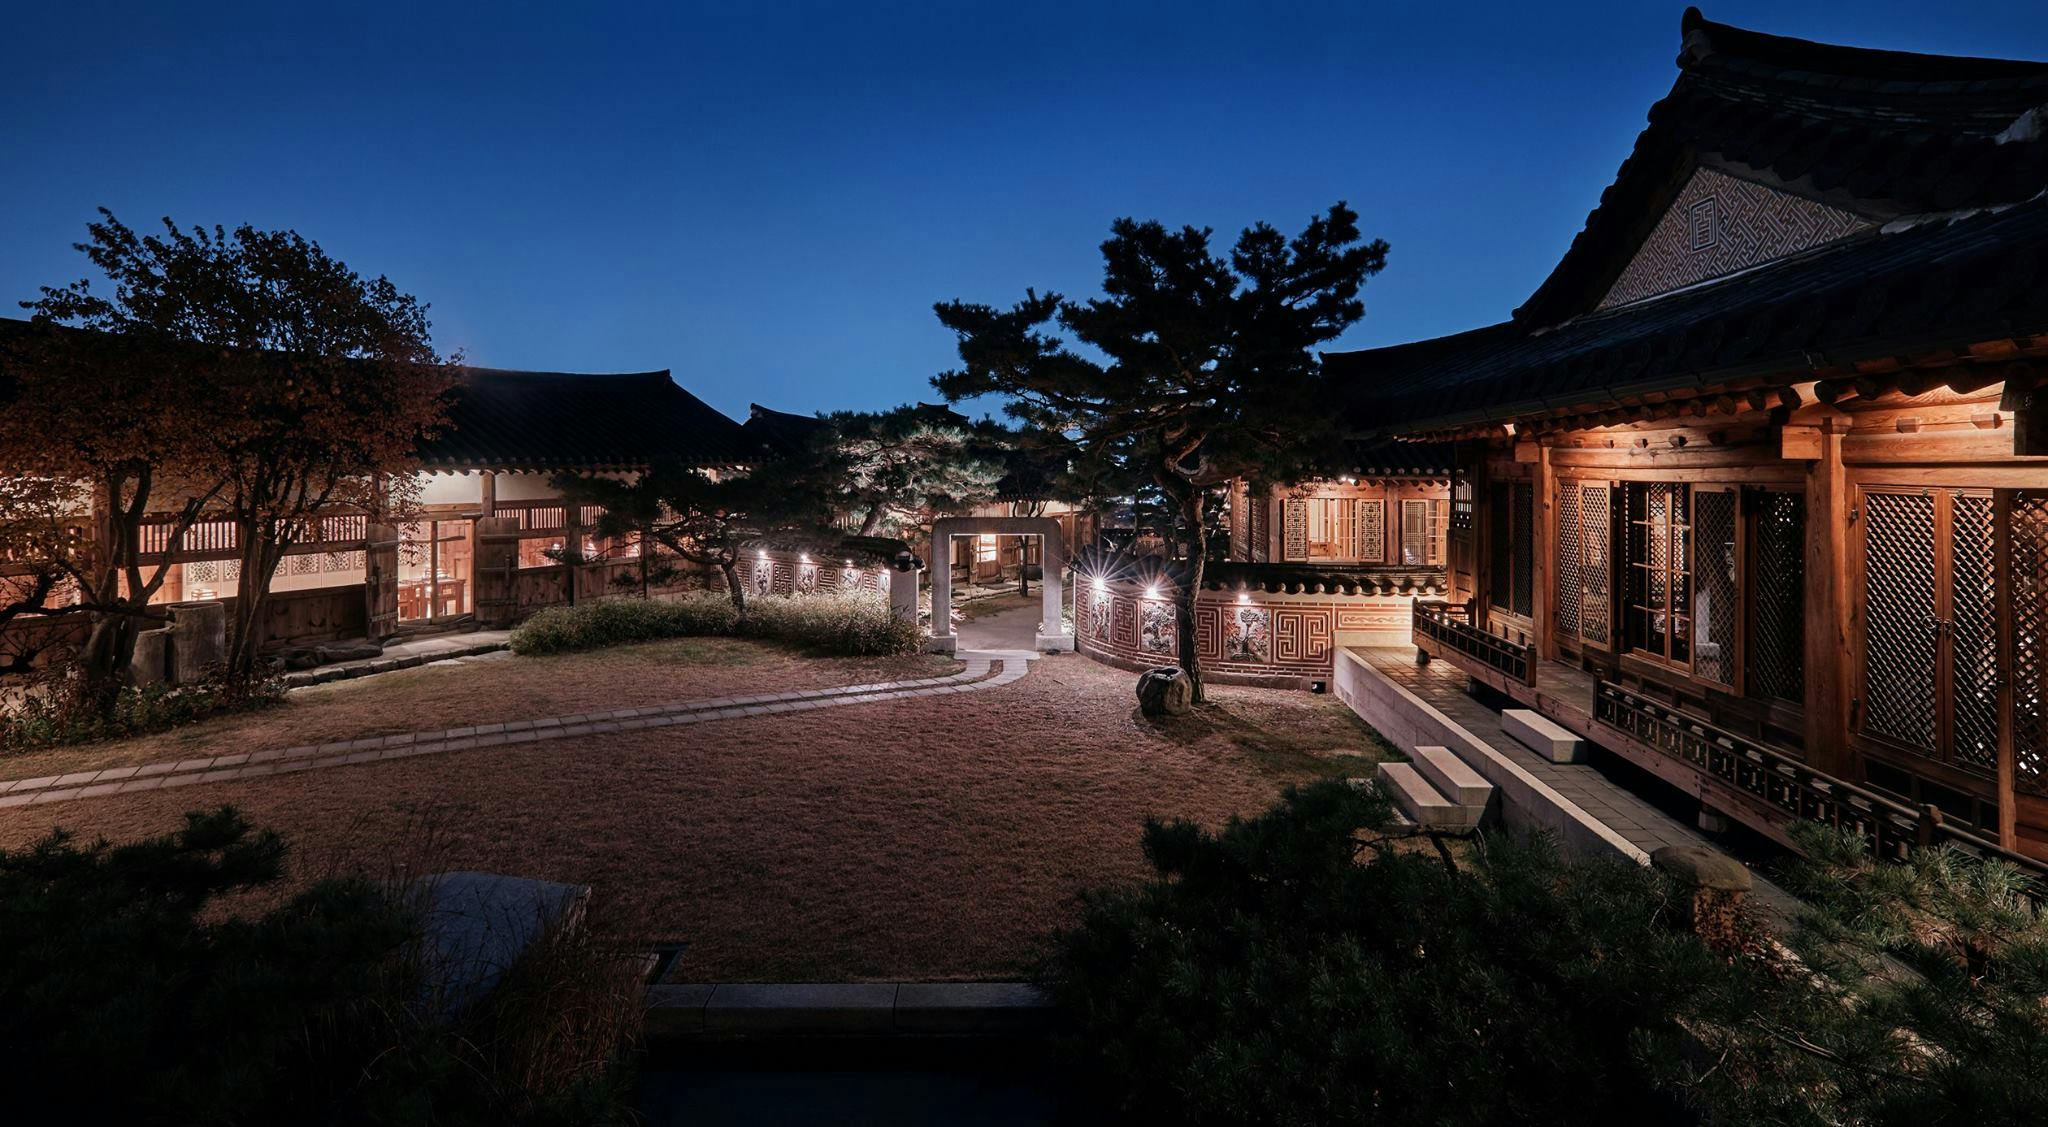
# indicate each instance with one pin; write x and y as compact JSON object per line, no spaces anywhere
{"x":985,"y":548}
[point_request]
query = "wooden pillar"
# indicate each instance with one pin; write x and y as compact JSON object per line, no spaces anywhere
{"x":487,"y":491}
{"x":1828,"y":614}
{"x":1541,"y":544}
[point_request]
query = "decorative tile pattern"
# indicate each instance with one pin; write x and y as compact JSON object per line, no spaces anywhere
{"x":1249,"y":637}
{"x":1718,"y":225}
{"x":1156,"y":629}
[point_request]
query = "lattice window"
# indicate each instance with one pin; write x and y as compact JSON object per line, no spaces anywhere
{"x":2029,"y":599}
{"x":1421,"y":533}
{"x":1261,"y":529}
{"x":1525,"y":548}
{"x":1461,"y":504}
{"x":1369,"y":530}
{"x":1714,"y":597}
{"x":1499,"y":549}
{"x":1776,"y":656}
{"x":1240,"y":506}
{"x":1294,"y":529}
{"x":1900,"y":646}
{"x":1658,"y":580}
{"x":1570,"y":574}
{"x":1973,"y":634}
{"x":1595,"y":510}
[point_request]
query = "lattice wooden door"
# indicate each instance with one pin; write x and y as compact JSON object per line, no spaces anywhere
{"x":2026,"y":646}
{"x":1581,"y":574}
{"x":1928,"y":668}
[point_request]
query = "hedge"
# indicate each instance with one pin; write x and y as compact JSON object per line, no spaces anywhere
{"x":853,"y":625}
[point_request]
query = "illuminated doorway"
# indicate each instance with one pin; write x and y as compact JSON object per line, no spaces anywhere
{"x":434,"y":570}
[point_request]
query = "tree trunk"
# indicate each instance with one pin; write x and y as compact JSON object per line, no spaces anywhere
{"x":874,"y":520}
{"x":733,"y":586}
{"x":1191,"y":506}
{"x":103,"y":660}
{"x":260,"y":557}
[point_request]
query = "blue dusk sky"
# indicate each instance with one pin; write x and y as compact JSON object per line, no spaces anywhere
{"x":767,"y":199}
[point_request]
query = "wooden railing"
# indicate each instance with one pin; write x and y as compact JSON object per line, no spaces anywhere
{"x":1784,"y":783}
{"x":1450,"y":625}
{"x":219,"y":538}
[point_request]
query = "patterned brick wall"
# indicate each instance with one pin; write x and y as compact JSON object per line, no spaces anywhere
{"x":784,"y":573}
{"x":1250,"y":635}
{"x":1719,"y":225}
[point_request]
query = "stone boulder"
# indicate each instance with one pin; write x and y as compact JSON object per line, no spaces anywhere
{"x":1165,"y":691}
{"x":477,"y":925}
{"x":299,"y":658}
{"x":199,"y":639}
{"x":151,"y":663}
{"x":349,"y":651}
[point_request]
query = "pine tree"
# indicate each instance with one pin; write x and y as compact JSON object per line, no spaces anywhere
{"x":1189,"y":371}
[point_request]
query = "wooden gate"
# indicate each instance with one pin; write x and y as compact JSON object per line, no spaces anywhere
{"x":497,"y":571}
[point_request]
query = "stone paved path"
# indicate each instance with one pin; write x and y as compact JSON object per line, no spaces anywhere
{"x":984,"y":669}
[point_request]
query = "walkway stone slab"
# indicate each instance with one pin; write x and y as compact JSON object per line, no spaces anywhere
{"x":815,"y":1007}
{"x":1542,"y":735}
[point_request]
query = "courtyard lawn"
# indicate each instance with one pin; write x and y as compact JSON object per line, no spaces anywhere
{"x":488,"y":689}
{"x":929,"y":838}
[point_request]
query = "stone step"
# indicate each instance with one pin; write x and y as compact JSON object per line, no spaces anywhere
{"x":1543,"y":736}
{"x":1452,"y":777}
{"x":1421,"y":802}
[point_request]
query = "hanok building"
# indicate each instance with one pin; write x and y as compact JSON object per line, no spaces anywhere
{"x":485,"y":547}
{"x":1751,"y":491}
{"x":1311,"y":568}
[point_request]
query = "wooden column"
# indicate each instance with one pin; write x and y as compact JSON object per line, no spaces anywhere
{"x":1541,"y":544}
{"x":1828,"y":614}
{"x":487,"y":492}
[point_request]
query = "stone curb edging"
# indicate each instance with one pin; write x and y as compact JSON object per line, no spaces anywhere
{"x":976,"y":675}
{"x":349,"y":670}
{"x":1521,"y":793}
{"x":693,"y":1009}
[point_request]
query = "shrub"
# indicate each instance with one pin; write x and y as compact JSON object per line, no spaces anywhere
{"x":136,"y":995}
{"x":58,"y":710}
{"x":847,"y":625}
{"x":1268,"y":976}
{"x":852,"y":625}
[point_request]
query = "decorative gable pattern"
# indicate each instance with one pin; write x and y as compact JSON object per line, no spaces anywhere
{"x":1719,"y":225}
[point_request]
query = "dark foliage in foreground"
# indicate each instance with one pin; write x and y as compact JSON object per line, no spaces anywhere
{"x":1270,"y":977}
{"x":134,"y":995}
{"x":1298,"y":968}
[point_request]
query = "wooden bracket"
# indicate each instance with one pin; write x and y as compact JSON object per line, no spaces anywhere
{"x":1799,"y":443}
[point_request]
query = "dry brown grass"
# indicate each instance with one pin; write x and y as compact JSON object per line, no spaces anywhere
{"x":501,"y":687}
{"x":930,"y":838}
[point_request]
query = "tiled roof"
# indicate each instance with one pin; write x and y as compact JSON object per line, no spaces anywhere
{"x":564,"y":420}
{"x":1947,"y":158}
{"x":1936,"y":285}
{"x":780,"y":432}
{"x":1880,"y":133}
